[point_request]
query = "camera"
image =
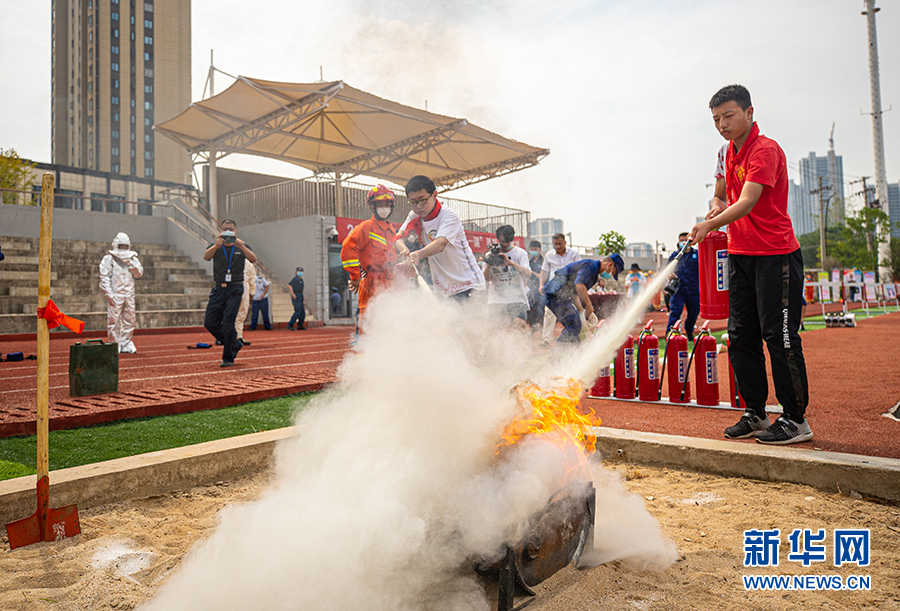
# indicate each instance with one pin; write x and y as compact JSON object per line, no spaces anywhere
{"x":229,"y":239}
{"x":494,"y":257}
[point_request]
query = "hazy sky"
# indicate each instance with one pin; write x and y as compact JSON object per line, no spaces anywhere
{"x":617,"y":90}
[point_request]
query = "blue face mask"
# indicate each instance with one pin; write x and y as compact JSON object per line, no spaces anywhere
{"x":534,"y":254}
{"x":605,"y":275}
{"x":300,"y":274}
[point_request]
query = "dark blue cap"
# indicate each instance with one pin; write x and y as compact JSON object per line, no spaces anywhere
{"x":620,"y":264}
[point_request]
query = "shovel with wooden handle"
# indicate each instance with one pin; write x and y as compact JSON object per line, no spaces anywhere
{"x":46,"y":524}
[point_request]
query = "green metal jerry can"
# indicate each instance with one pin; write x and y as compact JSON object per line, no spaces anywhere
{"x":93,"y":368}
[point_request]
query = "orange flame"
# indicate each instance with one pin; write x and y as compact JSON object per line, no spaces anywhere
{"x":553,"y":415}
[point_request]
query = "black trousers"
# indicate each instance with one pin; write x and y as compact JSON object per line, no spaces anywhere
{"x":222,"y":309}
{"x":765,"y":297}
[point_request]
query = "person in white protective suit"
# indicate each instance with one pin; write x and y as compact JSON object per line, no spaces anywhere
{"x":118,"y":269}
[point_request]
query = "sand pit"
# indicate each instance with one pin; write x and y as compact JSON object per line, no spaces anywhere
{"x":128,"y":550}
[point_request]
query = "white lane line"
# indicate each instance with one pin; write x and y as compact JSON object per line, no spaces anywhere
{"x":199,"y":373}
{"x":190,"y":362}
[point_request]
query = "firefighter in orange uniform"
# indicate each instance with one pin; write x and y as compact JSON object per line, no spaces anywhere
{"x":368,"y":254}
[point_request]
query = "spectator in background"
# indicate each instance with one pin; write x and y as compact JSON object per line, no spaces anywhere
{"x":507,"y":274}
{"x":228,"y":254}
{"x":336,"y":301}
{"x":296,"y":288}
{"x":553,"y":262}
{"x":687,"y":293}
{"x":535,"y":297}
{"x":634,"y":281}
{"x":261,"y":303}
{"x":118,"y":269}
{"x":246,"y":298}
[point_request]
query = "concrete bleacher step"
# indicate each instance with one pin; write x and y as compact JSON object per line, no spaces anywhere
{"x":93,"y":321}
{"x":172,"y":291}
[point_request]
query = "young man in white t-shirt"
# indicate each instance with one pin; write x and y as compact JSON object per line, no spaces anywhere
{"x":553,"y":261}
{"x":454,"y":270}
{"x":507,"y":274}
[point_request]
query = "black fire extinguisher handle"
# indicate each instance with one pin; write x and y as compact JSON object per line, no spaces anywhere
{"x":662,"y":375}
{"x":687,"y":374}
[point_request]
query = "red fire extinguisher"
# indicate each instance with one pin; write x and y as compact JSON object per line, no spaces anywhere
{"x":648,"y":365}
{"x":677,"y":357}
{"x":706,"y":371}
{"x":713,"y":267}
{"x":625,"y":369}
{"x":603,"y":385}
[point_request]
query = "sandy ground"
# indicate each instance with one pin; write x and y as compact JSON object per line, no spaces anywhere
{"x":128,"y":550}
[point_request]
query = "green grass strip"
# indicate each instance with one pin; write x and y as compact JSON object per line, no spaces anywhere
{"x":90,"y":444}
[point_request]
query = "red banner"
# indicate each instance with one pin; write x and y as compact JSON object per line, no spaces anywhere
{"x":479,"y":241}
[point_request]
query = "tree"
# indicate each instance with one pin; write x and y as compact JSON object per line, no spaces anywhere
{"x":858,"y":244}
{"x":809,"y":245}
{"x":15,"y":173}
{"x":610,"y":242}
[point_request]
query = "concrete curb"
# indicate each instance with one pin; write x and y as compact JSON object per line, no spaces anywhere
{"x":832,"y":471}
{"x":144,"y":475}
{"x":157,"y":473}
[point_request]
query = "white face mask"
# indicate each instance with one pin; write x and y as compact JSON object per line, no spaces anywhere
{"x":383,"y":212}
{"x":227,"y":233}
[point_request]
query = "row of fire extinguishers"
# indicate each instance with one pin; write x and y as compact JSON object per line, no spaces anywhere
{"x":639,"y":373}
{"x":643,"y":377}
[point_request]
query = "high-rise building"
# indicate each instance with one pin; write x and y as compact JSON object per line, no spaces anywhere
{"x":544,"y":229}
{"x":894,"y":208}
{"x":119,"y":66}
{"x":803,"y":203}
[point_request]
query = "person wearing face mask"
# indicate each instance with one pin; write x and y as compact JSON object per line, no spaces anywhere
{"x":506,"y":275}
{"x":688,"y":292}
{"x":535,"y":297}
{"x":368,"y":254}
{"x":228,"y":254}
{"x":295,"y":286}
{"x":567,"y":292}
{"x":118,"y":269}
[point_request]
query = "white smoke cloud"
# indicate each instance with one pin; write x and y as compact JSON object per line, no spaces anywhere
{"x":392,"y":486}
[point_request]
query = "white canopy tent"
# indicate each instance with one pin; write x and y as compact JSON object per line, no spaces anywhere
{"x":333,"y":129}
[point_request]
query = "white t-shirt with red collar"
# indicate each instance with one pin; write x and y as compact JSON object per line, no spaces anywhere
{"x":454,"y":269}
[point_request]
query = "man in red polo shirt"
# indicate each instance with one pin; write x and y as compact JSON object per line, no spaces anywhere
{"x":765,"y":273}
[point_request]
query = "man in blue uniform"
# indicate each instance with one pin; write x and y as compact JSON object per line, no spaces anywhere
{"x":567,"y":292}
{"x":688,"y":291}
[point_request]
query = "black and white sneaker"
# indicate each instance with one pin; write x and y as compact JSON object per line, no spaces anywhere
{"x":750,"y":425}
{"x":785,"y":431}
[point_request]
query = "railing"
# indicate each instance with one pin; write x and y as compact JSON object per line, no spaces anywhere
{"x":310,"y":196}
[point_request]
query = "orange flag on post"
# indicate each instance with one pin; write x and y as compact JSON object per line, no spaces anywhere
{"x":55,"y":318}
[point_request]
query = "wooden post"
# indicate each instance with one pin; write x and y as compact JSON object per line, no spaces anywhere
{"x":43,"y":332}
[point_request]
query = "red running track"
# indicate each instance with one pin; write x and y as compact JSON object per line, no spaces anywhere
{"x":165,"y":377}
{"x":854,"y":379}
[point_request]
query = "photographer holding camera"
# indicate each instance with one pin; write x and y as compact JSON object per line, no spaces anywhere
{"x":684,"y":288}
{"x":228,"y":254}
{"x":507,"y":273}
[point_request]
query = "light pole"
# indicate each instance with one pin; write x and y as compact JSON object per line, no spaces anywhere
{"x":660,"y":249}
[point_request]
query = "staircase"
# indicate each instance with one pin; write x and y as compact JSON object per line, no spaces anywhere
{"x":173,"y":291}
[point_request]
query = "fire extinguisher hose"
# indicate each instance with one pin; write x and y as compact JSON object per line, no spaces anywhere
{"x":662,"y":375}
{"x":687,"y":375}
